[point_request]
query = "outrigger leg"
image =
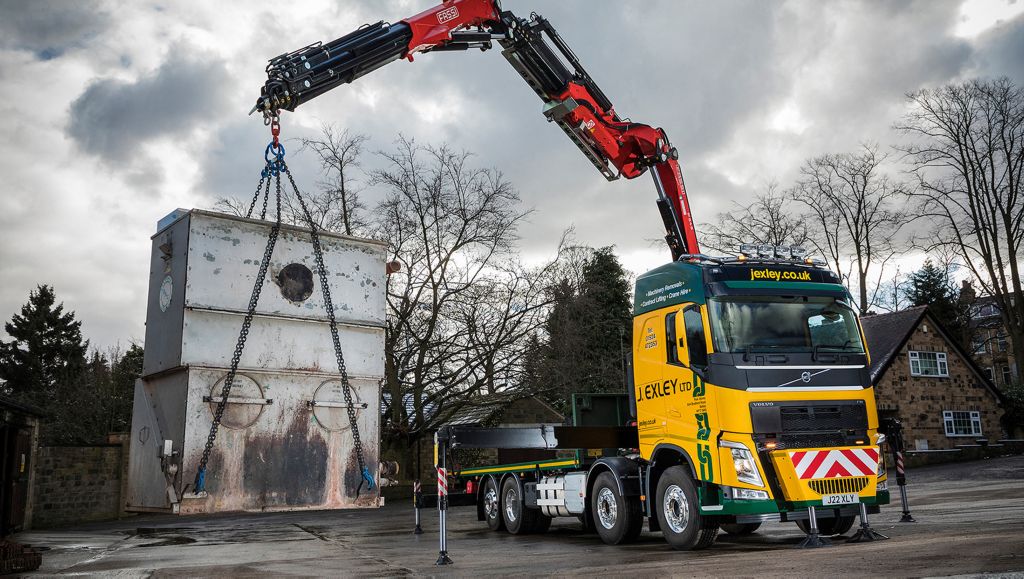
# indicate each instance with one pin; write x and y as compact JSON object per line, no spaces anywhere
{"x":813,"y":539}
{"x":865,"y":533}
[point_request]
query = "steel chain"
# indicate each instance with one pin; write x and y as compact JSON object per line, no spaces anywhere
{"x":329,"y":306}
{"x":266,"y":197}
{"x":243,"y":334}
{"x":256,"y":195}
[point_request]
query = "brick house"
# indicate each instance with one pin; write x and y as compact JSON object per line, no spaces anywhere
{"x":924,"y":378}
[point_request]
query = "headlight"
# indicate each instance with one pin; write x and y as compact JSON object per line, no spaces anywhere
{"x":882,"y":486}
{"x":744,"y":463}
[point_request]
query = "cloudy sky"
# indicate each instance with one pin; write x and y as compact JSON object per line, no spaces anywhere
{"x":115,"y":112}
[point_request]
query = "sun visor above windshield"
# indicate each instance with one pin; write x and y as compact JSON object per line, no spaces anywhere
{"x":749,"y":288}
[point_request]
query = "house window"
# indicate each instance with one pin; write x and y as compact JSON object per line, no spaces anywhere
{"x":1006,"y":375}
{"x":962,"y":423}
{"x":978,"y":343}
{"x":1001,"y":340}
{"x":928,"y":364}
{"x":990,"y":374}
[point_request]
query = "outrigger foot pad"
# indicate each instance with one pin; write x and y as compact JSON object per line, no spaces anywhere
{"x":444,"y":559}
{"x":906,"y":518}
{"x":814,"y":540}
{"x":866,"y":534}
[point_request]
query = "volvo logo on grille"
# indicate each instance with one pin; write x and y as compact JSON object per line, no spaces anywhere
{"x":806,"y":376}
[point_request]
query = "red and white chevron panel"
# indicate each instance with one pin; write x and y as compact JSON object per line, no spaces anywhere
{"x":835,"y":463}
{"x":442,"y":482}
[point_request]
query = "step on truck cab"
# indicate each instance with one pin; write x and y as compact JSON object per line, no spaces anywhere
{"x":752,"y":402}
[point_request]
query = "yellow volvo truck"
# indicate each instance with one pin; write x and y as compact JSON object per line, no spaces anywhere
{"x":752,"y":403}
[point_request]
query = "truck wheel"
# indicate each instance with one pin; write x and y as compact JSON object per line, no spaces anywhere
{"x":832,"y":526}
{"x":617,"y":519}
{"x":520,"y":520}
{"x":740,"y":529}
{"x":492,"y":505}
{"x":680,"y":519}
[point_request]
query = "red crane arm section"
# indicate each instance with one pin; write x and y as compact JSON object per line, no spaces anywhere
{"x":434,"y":26}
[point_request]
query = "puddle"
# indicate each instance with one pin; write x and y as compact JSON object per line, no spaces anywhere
{"x":177,"y":540}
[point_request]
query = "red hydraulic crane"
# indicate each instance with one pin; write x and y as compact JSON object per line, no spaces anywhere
{"x":533,"y":47}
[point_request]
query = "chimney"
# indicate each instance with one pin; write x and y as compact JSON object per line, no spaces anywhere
{"x":967,"y":294}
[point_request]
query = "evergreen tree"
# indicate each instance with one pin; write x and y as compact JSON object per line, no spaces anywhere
{"x":46,"y":365}
{"x":589,"y":332}
{"x":46,"y":350}
{"x":932,"y":286}
{"x":123,"y":374}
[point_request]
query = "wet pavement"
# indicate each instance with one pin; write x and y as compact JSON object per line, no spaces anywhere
{"x":970,"y":521}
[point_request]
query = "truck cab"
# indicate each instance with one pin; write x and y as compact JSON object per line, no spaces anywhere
{"x":750,"y":377}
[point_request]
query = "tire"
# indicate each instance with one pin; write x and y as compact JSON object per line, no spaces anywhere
{"x":492,"y":505}
{"x":520,"y":520}
{"x":680,"y":519}
{"x":740,"y":529}
{"x":828,"y":527}
{"x":617,"y":519}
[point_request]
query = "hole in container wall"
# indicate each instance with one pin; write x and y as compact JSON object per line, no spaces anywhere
{"x":296,"y":282}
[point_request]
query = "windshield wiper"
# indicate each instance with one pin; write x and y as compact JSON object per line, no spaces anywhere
{"x":843,"y":346}
{"x":746,"y":349}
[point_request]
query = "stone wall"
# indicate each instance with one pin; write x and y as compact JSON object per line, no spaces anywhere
{"x":77,"y":484}
{"x":918,"y":401}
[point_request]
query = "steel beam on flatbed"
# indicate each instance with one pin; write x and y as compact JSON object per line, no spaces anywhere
{"x":540,"y":436}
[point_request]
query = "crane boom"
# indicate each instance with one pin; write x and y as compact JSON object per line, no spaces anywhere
{"x":537,"y":52}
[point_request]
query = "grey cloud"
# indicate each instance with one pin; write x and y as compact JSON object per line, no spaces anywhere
{"x":112,"y":117}
{"x":1001,"y":50}
{"x":50,"y":27}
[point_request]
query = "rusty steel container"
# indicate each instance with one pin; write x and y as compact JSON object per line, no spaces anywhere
{"x":285,"y":441}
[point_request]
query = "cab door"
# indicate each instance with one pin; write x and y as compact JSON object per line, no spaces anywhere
{"x":686,"y":367}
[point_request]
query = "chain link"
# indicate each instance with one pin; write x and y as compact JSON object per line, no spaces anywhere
{"x":329,"y":306}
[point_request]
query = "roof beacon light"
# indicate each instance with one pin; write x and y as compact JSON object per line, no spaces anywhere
{"x":797,"y":252}
{"x":748,"y":249}
{"x":765,"y":250}
{"x":782,"y":251}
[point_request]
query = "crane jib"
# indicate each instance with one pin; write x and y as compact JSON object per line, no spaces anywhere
{"x":572,"y":99}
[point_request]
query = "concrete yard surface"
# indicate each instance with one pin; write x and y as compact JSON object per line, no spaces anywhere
{"x":970,"y":521}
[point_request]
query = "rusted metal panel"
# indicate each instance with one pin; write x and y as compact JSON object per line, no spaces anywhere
{"x":223,"y":260}
{"x":285,"y":455}
{"x":285,"y":441}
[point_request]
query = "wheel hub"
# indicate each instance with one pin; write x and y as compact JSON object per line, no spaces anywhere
{"x":607,"y":508}
{"x":676,"y":509}
{"x":511,"y":501}
{"x":491,"y":503}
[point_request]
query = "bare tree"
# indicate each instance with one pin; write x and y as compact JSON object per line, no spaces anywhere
{"x":231,"y":205}
{"x":854,"y":210}
{"x":968,"y":157}
{"x":461,"y":310}
{"x":769,"y":219}
{"x":337,"y":206}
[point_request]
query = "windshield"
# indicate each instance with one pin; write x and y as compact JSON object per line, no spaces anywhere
{"x":791,"y":324}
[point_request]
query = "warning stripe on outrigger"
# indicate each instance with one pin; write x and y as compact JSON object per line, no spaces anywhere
{"x":521,"y":467}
